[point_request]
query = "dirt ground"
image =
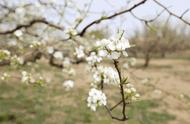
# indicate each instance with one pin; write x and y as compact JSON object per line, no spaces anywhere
{"x":171,"y":79}
{"x":165,"y":80}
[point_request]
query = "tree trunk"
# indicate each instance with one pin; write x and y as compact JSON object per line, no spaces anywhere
{"x":147,"y":60}
{"x":163,"y":54}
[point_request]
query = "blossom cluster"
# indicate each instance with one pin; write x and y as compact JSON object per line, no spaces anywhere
{"x":130,"y":63}
{"x":92,"y":59}
{"x":79,"y":52}
{"x":114,"y":47}
{"x":109,"y":48}
{"x":71,"y":32}
{"x":58,"y":55}
{"x":68,"y":84}
{"x":50,"y":50}
{"x":35,"y":44}
{"x":67,"y":67}
{"x":28,"y":79}
{"x":106,"y":74}
{"x":4,"y":55}
{"x":131,"y":93}
{"x":5,"y":76}
{"x":66,"y":63}
{"x":18,"y":33}
{"x":16,"y":61}
{"x":96,"y":98}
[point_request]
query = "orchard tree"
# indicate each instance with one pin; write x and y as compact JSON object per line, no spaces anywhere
{"x":31,"y":32}
{"x":159,"y":40}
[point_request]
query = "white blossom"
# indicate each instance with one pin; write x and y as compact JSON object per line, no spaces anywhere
{"x":37,"y":5}
{"x":126,"y":66}
{"x":4,"y":54}
{"x":4,"y":76}
{"x":114,"y":55}
{"x":125,"y":53}
{"x":35,"y":44}
{"x":29,"y":79}
{"x":79,"y":52}
{"x":18,"y":33}
{"x":70,"y":31}
{"x":50,"y":50}
{"x":115,"y":47}
{"x":117,"y":44}
{"x":15,"y":60}
{"x":26,"y":77}
{"x":102,"y":53}
{"x":102,"y":43}
{"x":58,"y":55}
{"x":71,"y":72}
{"x":68,"y":84}
{"x":132,"y":61}
{"x":95,"y":99}
{"x":20,"y":11}
{"x":93,"y":58}
{"x":107,"y":74}
{"x":131,"y":93}
{"x":66,"y":62}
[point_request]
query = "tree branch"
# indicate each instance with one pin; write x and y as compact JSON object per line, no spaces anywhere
{"x":31,"y":23}
{"x":121,"y":89}
{"x":110,"y":17}
{"x":173,"y":14}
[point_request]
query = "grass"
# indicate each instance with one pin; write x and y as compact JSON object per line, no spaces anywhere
{"x":36,"y":109}
{"x":20,"y":108}
{"x":141,"y":113}
{"x":22,"y":104}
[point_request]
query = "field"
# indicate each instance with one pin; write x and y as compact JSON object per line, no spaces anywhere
{"x":164,"y":89}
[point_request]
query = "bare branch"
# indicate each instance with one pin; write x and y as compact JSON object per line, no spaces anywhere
{"x":121,"y":90}
{"x":113,"y":117}
{"x":184,"y":13}
{"x":110,"y":17}
{"x":31,"y":23}
{"x":173,"y":14}
{"x":148,"y":20}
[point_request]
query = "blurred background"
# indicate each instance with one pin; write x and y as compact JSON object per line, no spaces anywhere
{"x":158,"y":64}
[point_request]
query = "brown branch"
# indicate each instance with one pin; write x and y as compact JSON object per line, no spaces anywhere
{"x":173,"y":14}
{"x":116,"y":105}
{"x":146,"y":21}
{"x":121,"y":90}
{"x":31,"y":23}
{"x":184,"y":13}
{"x":110,"y":17}
{"x":112,"y":108}
{"x":113,"y":117}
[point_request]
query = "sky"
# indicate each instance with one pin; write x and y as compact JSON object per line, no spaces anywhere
{"x":126,"y":21}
